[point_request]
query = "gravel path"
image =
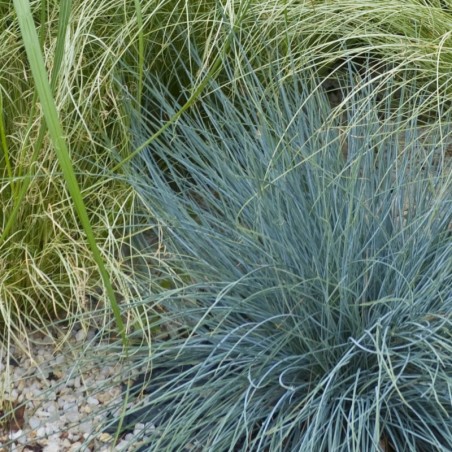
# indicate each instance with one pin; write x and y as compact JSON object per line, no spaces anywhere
{"x":60,"y":400}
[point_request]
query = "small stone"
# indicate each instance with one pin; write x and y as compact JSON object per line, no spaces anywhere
{"x":19,"y":372}
{"x":73,"y":434}
{"x":15,"y":435}
{"x":72,"y":415}
{"x":92,"y":401}
{"x":66,"y":444}
{"x":58,"y":359}
{"x":109,"y":395}
{"x":122,"y":446}
{"x":58,"y":373}
{"x":105,"y":437}
{"x":67,"y":402}
{"x":42,"y":413}
{"x":52,"y":427}
{"x":138,"y":428}
{"x":14,"y":394}
{"x":86,"y":409}
{"x":80,"y":335}
{"x":34,"y":422}
{"x":29,"y":395}
{"x":51,"y":408}
{"x":53,"y":446}
{"x":86,"y":427}
{"x":51,"y":396}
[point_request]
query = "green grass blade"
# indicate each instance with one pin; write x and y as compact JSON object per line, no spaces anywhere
{"x":37,"y":66}
{"x":140,"y":49}
{"x":3,"y":142}
{"x":63,"y":20}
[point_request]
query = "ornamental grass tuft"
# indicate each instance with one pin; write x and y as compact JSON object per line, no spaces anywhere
{"x":310,"y":304}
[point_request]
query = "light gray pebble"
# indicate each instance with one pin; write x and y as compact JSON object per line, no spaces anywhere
{"x":67,"y":401}
{"x":72,"y":414}
{"x":86,"y":427}
{"x":43,"y":413}
{"x":34,"y":422}
{"x":52,"y":427}
{"x":92,"y":401}
{"x":80,"y":335}
{"x":58,"y":359}
{"x":19,"y":372}
{"x":14,"y":394}
{"x":53,"y":446}
{"x":66,"y":443}
{"x":77,"y":383}
{"x":50,"y":407}
{"x":138,"y":428}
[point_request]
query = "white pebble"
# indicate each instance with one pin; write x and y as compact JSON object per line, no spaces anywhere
{"x":92,"y":401}
{"x":34,"y":422}
{"x":19,"y":372}
{"x":15,"y":435}
{"x":53,"y":446}
{"x":80,"y":335}
{"x":14,"y":394}
{"x":58,"y":359}
{"x":138,"y":428}
{"x":52,"y":427}
{"x":72,"y":415}
{"x":86,"y":427}
{"x":66,"y":444}
{"x":51,"y":408}
{"x":42,"y":413}
{"x":67,"y":401}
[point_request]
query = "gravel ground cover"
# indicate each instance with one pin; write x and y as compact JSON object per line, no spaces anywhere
{"x":58,"y":402}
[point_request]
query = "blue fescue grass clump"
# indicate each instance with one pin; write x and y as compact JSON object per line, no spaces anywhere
{"x":310,"y":308}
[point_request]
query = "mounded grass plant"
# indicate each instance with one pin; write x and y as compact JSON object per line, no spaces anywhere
{"x":310,"y":307}
{"x":84,"y":42}
{"x":302,"y":277}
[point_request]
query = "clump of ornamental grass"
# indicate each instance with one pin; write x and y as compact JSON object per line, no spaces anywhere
{"x":310,"y":307}
{"x":82,"y":44}
{"x":49,"y":272}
